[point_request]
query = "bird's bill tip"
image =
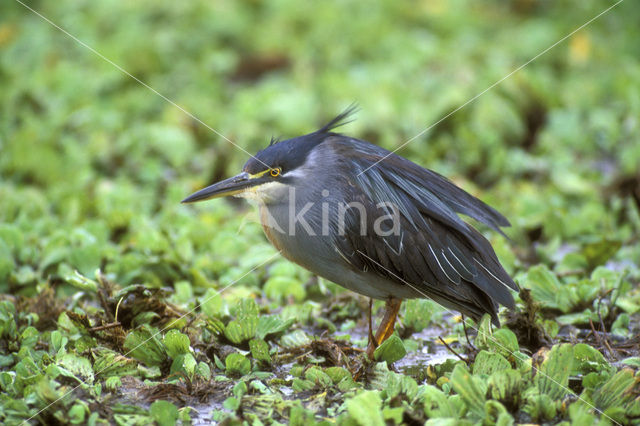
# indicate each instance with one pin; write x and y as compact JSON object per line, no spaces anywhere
{"x":232,"y":186}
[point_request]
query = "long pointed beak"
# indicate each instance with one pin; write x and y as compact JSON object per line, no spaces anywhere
{"x":232,"y":186}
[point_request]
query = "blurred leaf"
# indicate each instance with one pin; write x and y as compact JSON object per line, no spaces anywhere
{"x":366,"y":409}
{"x":616,"y":391}
{"x":211,"y":303}
{"x":260,"y":350}
{"x":77,"y":365}
{"x":588,"y":359}
{"x":237,"y":364}
{"x":337,"y":374}
{"x":597,"y":253}
{"x":295,"y":338}
{"x":632,"y":361}
{"x":546,"y":289}
{"x":280,"y":288}
{"x":241,"y":330}
{"x":468,"y":389}
{"x":318,"y":376}
{"x":437,"y":405}
{"x":552,"y":378}
{"x":176,"y":343}
{"x":391,"y":350}
{"x":164,"y":412}
{"x":487,"y":363}
{"x":185,"y":363}
{"x":81,"y":282}
{"x":272,"y":324}
{"x":541,"y":407}
{"x":144,"y":345}
{"x":505,"y":386}
{"x":419,"y":313}
{"x":109,"y":363}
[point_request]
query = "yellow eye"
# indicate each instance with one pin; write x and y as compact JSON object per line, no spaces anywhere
{"x":275,"y":172}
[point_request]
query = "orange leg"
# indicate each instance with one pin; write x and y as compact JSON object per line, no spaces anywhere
{"x":385,"y":330}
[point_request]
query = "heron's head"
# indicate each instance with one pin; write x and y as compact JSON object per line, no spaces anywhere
{"x":272,"y":171}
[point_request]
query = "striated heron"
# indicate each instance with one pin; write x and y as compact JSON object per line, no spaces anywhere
{"x":373,"y":222}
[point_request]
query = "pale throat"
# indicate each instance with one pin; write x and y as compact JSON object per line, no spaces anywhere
{"x":266,"y":193}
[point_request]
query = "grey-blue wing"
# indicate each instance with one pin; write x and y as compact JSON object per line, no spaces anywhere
{"x":430,"y":249}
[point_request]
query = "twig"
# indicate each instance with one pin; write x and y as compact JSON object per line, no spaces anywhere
{"x":613,"y":354}
{"x":466,"y":361}
{"x":105,"y":326}
{"x":604,"y":329}
{"x":594,"y":332}
{"x":372,"y":338}
{"x":466,"y":335}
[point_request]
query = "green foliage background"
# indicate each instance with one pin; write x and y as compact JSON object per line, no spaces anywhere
{"x":93,"y":166}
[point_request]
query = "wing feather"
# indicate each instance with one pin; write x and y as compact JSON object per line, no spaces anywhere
{"x":435,"y":251}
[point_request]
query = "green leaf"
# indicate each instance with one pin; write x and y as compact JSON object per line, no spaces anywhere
{"x":337,"y":374}
{"x":301,"y":385}
{"x":211,"y":303}
{"x":366,"y":408}
{"x":280,"y":288}
{"x":237,"y":365}
{"x":616,"y":391}
{"x":598,"y":252}
{"x":620,"y":326}
{"x":397,"y":384}
{"x":487,"y":363}
{"x":204,"y":370}
{"x":78,"y":412}
{"x":541,"y":407}
{"x":245,"y":308}
{"x":546,"y":289}
{"x":143,"y":344}
{"x":240,"y":389}
{"x":215,"y":326}
{"x":588,"y":359}
{"x":505,"y":386}
{"x":58,"y":341}
{"x":77,"y":365}
{"x":496,"y":413}
{"x":81,"y":282}
{"x":295,"y":339}
{"x":577,"y":318}
{"x":185,"y":363}
{"x":164,"y":413}
{"x":176,"y":343}
{"x":633,"y":361}
{"x":109,"y":363}
{"x":232,"y":403}
{"x":272,"y":324}
{"x":113,"y":383}
{"x":504,"y":342}
{"x":260,"y":350}
{"x":391,"y":350}
{"x":437,"y":404}
{"x":484,"y":338}
{"x":552,"y":378}
{"x":395,"y":415}
{"x":419,"y":313}
{"x":317,"y":376}
{"x":241,"y":330}
{"x":469,"y":390}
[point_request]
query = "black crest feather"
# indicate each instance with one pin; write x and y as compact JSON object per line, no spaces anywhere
{"x":343,"y":118}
